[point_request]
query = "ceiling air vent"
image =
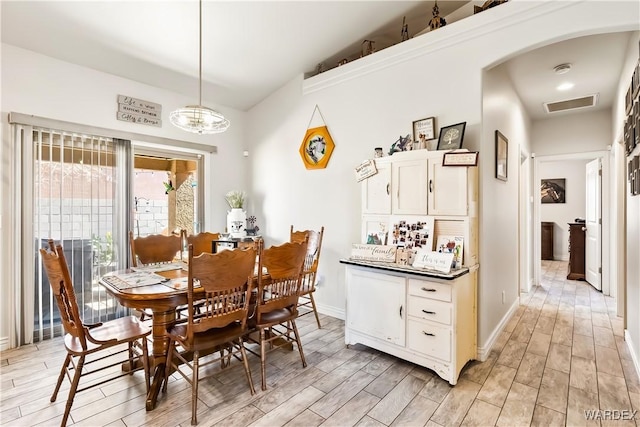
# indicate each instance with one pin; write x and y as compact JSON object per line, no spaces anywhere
{"x":571,"y":104}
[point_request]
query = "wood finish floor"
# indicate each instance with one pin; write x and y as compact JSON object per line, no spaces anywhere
{"x":561,"y":354}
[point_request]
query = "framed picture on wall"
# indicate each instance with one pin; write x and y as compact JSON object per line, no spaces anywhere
{"x":502,"y":156}
{"x":552,"y":190}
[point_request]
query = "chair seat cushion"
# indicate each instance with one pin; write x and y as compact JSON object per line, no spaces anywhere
{"x":208,"y":339}
{"x":276,"y":316}
{"x":127,"y":328}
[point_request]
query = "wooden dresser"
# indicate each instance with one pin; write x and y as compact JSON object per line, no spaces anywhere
{"x":576,"y":251}
{"x":546,"y":246}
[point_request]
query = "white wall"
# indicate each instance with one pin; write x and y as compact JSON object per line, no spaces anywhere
{"x":576,"y":133}
{"x":573,"y":171}
{"x":42,"y":86}
{"x":369,"y":102}
{"x":499,"y":245}
{"x":632,"y":232}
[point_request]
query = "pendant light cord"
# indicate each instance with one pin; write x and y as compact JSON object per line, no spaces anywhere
{"x":200,"y":58}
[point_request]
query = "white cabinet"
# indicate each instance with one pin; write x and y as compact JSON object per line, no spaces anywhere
{"x":447,"y":189}
{"x":425,"y":320}
{"x":409,"y":187}
{"x":416,"y":183}
{"x":376,"y":305}
{"x":376,"y":190}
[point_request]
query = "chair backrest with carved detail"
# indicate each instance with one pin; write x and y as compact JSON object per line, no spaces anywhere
{"x":284,"y":265}
{"x":55,"y":265}
{"x":154,"y":248}
{"x":227,"y":280}
{"x":202,"y":242}
{"x":313,"y":254}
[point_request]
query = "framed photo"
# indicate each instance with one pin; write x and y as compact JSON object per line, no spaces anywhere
{"x":552,"y":190}
{"x":424,"y":130}
{"x":502,"y":156}
{"x":451,"y":137}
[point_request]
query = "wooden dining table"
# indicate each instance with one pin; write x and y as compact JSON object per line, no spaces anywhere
{"x":162,"y":299}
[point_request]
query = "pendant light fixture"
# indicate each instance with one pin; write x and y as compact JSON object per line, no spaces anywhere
{"x":198,"y":118}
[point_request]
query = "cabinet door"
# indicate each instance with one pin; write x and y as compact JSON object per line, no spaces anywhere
{"x":376,"y":305}
{"x":447,"y":189}
{"x":409,"y":187}
{"x":376,"y":191}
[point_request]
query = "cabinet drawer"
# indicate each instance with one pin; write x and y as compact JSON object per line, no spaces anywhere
{"x":428,"y":309}
{"x":429,"y":338}
{"x":431,"y":290}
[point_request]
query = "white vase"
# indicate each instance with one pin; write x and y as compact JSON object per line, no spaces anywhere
{"x":237,"y":223}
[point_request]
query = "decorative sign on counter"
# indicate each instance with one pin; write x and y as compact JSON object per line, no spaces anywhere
{"x":365,"y":170}
{"x":378,"y":253}
{"x":139,"y":111}
{"x":434,"y":260}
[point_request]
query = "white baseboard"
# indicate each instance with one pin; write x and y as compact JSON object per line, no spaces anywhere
{"x":631,"y":348}
{"x":483,"y":351}
{"x":331,"y":311}
{"x":4,"y":343}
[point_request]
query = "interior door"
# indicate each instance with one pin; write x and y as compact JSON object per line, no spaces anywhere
{"x":593,"y":256}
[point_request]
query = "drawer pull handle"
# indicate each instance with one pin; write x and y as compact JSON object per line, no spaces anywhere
{"x":430,"y":186}
{"x":428,"y":312}
{"x":401,"y":312}
{"x":388,"y":184}
{"x":429,"y":334}
{"x":428,"y":289}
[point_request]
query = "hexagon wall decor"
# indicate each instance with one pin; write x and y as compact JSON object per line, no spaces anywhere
{"x":316,"y":148}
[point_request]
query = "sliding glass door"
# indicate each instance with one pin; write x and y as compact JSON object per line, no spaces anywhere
{"x":76,"y":202}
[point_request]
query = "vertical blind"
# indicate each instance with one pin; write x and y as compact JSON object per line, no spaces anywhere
{"x":78,"y":194}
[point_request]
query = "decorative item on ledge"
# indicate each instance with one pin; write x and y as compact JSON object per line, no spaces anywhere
{"x":404,"y":33}
{"x":367,"y":47}
{"x":487,"y":5}
{"x":437,"y":21}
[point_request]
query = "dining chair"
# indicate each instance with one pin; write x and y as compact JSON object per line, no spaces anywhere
{"x":82,"y":340}
{"x":155,"y":248}
{"x":227,"y":280}
{"x":277,"y":299}
{"x":202,"y":242}
{"x":310,"y":271}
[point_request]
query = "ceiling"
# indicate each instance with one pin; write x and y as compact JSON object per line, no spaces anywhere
{"x":250,"y":49}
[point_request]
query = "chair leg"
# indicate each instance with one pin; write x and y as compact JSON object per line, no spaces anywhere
{"x":315,"y":310}
{"x":63,"y":371}
{"x":262,"y":359}
{"x":145,"y":362}
{"x":194,"y":389}
{"x":246,"y":366}
{"x":168,"y":365}
{"x":72,"y":390}
{"x":131,"y":361}
{"x":295,"y":331}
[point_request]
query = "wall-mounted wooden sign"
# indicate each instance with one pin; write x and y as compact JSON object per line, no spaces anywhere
{"x":139,"y":111}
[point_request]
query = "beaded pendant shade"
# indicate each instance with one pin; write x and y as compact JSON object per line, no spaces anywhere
{"x":198,"y":118}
